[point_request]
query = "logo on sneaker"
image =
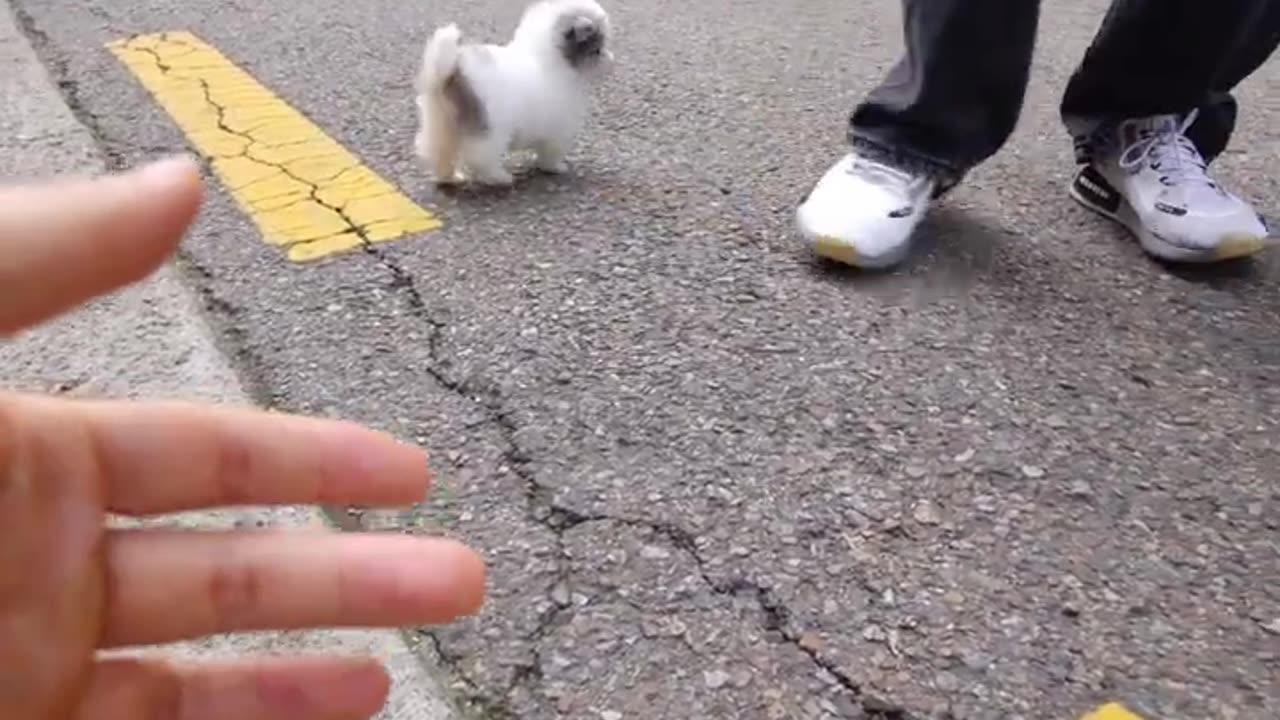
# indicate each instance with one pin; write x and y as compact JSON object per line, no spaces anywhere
{"x":902,"y":212}
{"x":1171,"y":209}
{"x":1096,"y":190}
{"x":1094,"y":187}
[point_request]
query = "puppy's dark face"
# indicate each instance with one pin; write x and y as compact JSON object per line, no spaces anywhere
{"x":582,"y":40}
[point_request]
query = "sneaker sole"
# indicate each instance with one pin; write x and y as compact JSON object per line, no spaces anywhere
{"x":833,"y":248}
{"x":1230,"y":246}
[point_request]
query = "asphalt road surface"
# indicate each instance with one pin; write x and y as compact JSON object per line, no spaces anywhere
{"x":1031,"y":472}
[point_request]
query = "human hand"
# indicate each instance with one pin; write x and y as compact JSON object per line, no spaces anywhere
{"x":70,"y":587}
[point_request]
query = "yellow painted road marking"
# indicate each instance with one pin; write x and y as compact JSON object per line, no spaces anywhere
{"x":305,"y":191}
{"x":1112,"y":711}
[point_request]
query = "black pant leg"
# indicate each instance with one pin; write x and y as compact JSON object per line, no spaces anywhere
{"x":1156,"y":57}
{"x":1212,"y":131}
{"x":954,"y":98}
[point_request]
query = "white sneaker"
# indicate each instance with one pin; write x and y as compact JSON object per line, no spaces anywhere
{"x":1152,"y":180}
{"x":862,"y":212}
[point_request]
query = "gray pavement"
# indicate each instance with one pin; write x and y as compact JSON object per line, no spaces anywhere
{"x":1029,"y":473}
{"x":152,"y":341}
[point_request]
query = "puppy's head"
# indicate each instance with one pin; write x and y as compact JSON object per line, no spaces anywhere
{"x":583,"y":35}
{"x":577,"y":32}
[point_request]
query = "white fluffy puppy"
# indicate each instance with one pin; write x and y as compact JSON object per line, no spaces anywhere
{"x":478,"y":102}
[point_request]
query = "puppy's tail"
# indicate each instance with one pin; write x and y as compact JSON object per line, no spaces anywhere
{"x":439,"y":58}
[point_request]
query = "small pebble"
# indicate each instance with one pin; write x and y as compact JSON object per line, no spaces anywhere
{"x":560,"y":594}
{"x":1033,"y":472}
{"x":846,"y":708}
{"x":875,"y":704}
{"x":946,"y":682}
{"x":811,"y":642}
{"x":1080,"y":489}
{"x":926,"y":513}
{"x":715,"y":679}
{"x":975,"y":661}
{"x":653,"y":552}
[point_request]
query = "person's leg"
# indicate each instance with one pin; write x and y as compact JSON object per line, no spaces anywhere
{"x":1164,"y":57}
{"x":1150,"y":106}
{"x":1212,"y":130}
{"x":954,"y":98}
{"x":948,"y":104}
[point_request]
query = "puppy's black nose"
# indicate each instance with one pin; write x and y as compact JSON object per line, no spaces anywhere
{"x":584,"y":35}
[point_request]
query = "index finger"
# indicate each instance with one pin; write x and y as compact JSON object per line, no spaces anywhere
{"x":163,"y":457}
{"x":66,"y":241}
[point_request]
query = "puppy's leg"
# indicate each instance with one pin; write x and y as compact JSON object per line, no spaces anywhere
{"x":553,"y":148}
{"x":422,"y":139}
{"x":550,"y":157}
{"x":436,"y":143}
{"x":421,"y":146}
{"x":483,"y":156}
{"x":445,"y":144}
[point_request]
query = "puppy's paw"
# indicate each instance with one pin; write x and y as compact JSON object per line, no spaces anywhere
{"x":494,"y":178}
{"x":552,"y":165}
{"x":549,"y":158}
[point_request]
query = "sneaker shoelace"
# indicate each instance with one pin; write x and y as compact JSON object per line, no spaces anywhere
{"x":884,"y":175}
{"x":1168,"y":151}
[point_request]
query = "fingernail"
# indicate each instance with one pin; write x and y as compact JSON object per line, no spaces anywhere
{"x":166,"y":171}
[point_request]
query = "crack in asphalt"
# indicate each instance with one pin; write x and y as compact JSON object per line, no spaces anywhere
{"x":231,"y":339}
{"x":541,"y":509}
{"x":560,"y":519}
{"x":314,"y":187}
{"x":57,"y":66}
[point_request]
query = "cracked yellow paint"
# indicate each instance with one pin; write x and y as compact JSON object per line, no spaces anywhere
{"x":1112,"y":711}
{"x":305,"y":191}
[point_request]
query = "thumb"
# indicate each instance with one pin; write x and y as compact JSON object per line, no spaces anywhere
{"x":64,"y":242}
